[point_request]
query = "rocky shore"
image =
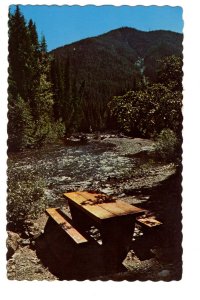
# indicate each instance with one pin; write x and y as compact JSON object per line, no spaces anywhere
{"x":115,"y":165}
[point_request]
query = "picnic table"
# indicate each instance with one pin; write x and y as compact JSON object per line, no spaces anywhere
{"x":113,"y":217}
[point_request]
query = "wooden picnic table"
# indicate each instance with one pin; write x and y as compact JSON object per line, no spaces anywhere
{"x":113,"y":217}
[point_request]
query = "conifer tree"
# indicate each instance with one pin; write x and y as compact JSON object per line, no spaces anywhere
{"x":33,"y":62}
{"x":58,"y":88}
{"x":30,"y":97}
{"x":20,"y":125}
{"x":67,"y":106}
{"x":19,"y":48}
{"x":33,"y":37}
{"x":43,"y":97}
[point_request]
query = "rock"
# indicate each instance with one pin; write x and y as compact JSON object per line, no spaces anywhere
{"x":39,"y":271}
{"x":33,"y":243}
{"x":35,"y":225}
{"x":83,"y":139}
{"x":121,"y":195}
{"x":37,"y":235}
{"x":31,"y":234}
{"x":25,"y":242}
{"x":107,"y":190}
{"x":26,"y":234}
{"x":164,"y":273}
{"x":12,"y":267}
{"x":28,"y":222}
{"x":12,"y":243}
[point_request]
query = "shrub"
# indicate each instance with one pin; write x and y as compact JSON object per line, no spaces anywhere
{"x":25,"y":199}
{"x":167,"y":146}
{"x":20,"y":125}
{"x":145,"y":113}
{"x":57,"y":131}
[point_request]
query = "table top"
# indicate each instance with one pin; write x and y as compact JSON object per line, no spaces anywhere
{"x":102,"y":206}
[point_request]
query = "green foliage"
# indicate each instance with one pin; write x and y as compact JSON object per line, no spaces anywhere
{"x":168,"y":146}
{"x":20,"y":125}
{"x":170,"y":72}
{"x":30,"y":94}
{"x":57,"y":131}
{"x":19,"y":48}
{"x":67,"y":95}
{"x":25,"y":200}
{"x":147,"y":112}
{"x":57,"y":80}
{"x":43,"y":109}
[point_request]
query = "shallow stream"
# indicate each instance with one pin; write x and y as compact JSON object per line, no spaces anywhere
{"x":94,"y":166}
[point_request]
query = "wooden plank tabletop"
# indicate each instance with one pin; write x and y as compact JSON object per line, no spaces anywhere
{"x":102,"y":206}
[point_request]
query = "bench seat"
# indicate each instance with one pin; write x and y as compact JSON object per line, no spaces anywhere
{"x":148,"y":222}
{"x":57,"y":216}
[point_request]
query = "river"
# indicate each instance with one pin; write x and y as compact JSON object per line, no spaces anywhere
{"x":66,"y":168}
{"x":109,"y":166}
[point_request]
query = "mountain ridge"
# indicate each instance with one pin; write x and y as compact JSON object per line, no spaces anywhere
{"x":111,"y":31}
{"x":126,"y":43}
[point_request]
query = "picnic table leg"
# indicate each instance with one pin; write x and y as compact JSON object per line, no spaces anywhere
{"x":79,"y":219}
{"x":117,"y":237}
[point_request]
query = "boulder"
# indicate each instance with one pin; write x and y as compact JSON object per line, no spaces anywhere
{"x":164,"y":273}
{"x":12,"y":243}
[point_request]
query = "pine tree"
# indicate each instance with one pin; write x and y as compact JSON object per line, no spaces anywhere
{"x":43,"y":97}
{"x":34,"y":64}
{"x":19,"y":49}
{"x":57,"y":80}
{"x":20,"y":125}
{"x":44,"y":103}
{"x":67,"y":107}
{"x":30,"y":98}
{"x":76,"y":106}
{"x":33,"y":37}
{"x":43,"y":45}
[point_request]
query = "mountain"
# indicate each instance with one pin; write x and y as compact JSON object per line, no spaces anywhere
{"x":113,"y":63}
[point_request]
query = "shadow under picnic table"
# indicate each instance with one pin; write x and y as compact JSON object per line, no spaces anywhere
{"x":71,"y":262}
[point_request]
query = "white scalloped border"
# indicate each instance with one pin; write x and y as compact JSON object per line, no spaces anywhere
{"x":99,"y":290}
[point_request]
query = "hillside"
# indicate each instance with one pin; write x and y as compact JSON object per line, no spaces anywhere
{"x":113,"y":63}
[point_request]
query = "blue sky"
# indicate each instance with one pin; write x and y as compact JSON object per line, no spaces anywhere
{"x":63,"y":25}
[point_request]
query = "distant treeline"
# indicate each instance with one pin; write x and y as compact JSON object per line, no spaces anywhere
{"x":99,"y":83}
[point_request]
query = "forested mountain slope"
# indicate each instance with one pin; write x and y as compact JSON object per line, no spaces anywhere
{"x":100,"y":67}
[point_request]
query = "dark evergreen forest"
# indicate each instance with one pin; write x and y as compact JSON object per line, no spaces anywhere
{"x":126,"y":80}
{"x":30,"y":95}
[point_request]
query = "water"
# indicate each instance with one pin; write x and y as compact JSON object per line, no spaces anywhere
{"x":90,"y":167}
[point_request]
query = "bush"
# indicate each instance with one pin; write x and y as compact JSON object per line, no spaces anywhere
{"x":20,"y":125}
{"x":57,"y":131}
{"x":168,"y":146}
{"x":145,"y":113}
{"x":25,"y":199}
